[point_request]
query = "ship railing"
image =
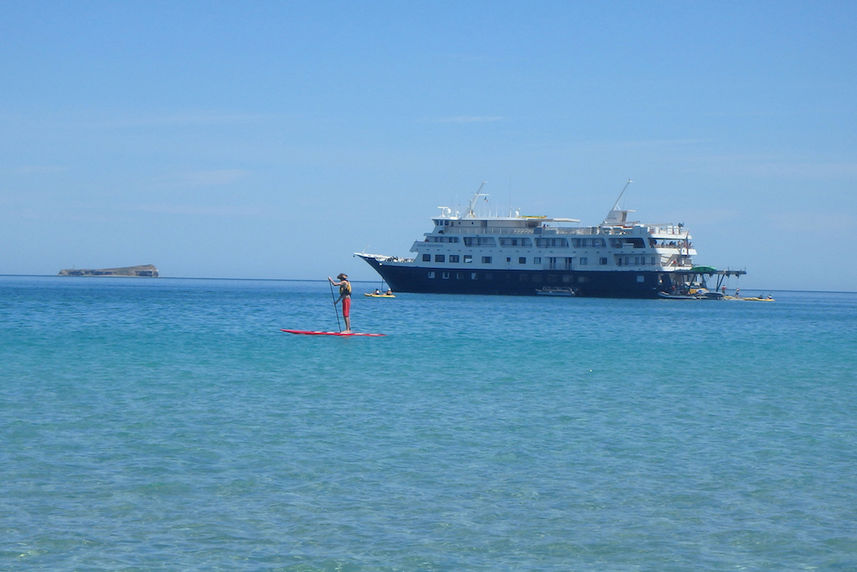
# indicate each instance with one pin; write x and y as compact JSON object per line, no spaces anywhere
{"x":473,"y":231}
{"x":549,"y":230}
{"x":666,"y":228}
{"x":680,"y":248}
{"x":587,"y":230}
{"x":600,"y":230}
{"x":383,"y":257}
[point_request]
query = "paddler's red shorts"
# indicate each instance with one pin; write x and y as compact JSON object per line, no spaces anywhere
{"x":346,"y":306}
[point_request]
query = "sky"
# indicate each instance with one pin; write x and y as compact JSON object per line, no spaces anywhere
{"x":275,"y":139}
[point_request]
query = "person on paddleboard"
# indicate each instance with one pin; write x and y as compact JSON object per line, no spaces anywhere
{"x":345,"y":296}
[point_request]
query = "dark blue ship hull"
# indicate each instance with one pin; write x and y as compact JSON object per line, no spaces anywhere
{"x":608,"y":284}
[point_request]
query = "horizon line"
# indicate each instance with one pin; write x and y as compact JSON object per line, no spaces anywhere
{"x":321,"y":280}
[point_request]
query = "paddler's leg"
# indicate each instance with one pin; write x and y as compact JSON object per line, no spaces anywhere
{"x":346,"y":313}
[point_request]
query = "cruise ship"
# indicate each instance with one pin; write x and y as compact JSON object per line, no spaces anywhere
{"x":473,"y":253}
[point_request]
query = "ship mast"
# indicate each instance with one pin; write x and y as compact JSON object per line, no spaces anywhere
{"x":619,"y":198}
{"x":471,"y":213}
{"x":617,"y":215}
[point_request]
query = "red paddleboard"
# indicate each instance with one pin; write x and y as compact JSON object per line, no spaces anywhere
{"x":308,"y":333}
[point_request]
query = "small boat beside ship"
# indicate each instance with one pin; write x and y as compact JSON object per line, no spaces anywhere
{"x":374,"y":295}
{"x":759,"y":298}
{"x":477,"y":253}
{"x":555,"y":291}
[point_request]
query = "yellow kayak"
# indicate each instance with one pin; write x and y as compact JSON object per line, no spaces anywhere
{"x":371,"y":295}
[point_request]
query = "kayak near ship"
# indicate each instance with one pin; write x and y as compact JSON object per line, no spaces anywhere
{"x":476,"y":253}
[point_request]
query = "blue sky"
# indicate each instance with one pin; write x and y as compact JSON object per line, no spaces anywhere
{"x":273,"y":139}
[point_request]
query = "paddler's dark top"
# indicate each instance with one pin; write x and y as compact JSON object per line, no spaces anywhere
{"x":344,"y":289}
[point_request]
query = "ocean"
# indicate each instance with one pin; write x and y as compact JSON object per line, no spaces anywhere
{"x":168,"y":424}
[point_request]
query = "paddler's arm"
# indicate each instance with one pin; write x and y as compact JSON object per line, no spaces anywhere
{"x":335,"y":302}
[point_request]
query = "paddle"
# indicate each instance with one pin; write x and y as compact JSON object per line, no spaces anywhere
{"x":338,"y":325}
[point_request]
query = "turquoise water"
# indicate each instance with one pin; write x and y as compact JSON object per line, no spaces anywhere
{"x":169,"y":424}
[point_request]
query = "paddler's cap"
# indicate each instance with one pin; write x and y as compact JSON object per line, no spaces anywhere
{"x":342,"y":275}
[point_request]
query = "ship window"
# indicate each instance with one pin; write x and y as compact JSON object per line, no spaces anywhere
{"x":583,"y":261}
{"x":602,"y":261}
{"x":459,"y":275}
{"x":508,"y":259}
{"x":552,"y":242}
{"x":473,"y":276}
{"x":479,"y":241}
{"x":637,"y":260}
{"x":426,"y":257}
{"x":486,"y":260}
{"x":537,"y":260}
{"x":445,"y":275}
{"x":640,"y":278}
{"x":468,"y":258}
{"x":431,"y":274}
{"x":522,"y":260}
{"x":515,"y":241}
{"x":453,"y":258}
{"x":440,"y":258}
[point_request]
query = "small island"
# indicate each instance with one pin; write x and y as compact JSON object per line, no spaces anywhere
{"x":142,"y":271}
